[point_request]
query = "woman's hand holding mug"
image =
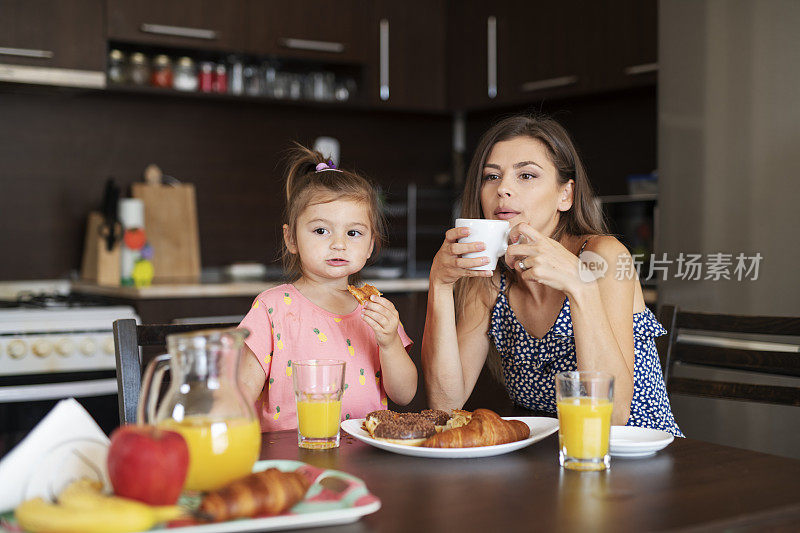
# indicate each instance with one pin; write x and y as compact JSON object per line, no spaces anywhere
{"x":470,"y":249}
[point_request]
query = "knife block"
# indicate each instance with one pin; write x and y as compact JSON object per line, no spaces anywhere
{"x":99,"y":265}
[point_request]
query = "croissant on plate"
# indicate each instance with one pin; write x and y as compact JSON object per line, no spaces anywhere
{"x":485,"y":428}
{"x":269,"y":492}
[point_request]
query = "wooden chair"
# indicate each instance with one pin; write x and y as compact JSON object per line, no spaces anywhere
{"x":672,"y":350}
{"x":128,"y":337}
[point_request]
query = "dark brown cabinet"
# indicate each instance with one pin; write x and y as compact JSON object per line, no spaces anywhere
{"x":408,"y":56}
{"x":624,"y":42}
{"x":65,"y":34}
{"x":471,"y":63}
{"x":204,"y":24}
{"x":516,"y":51}
{"x":333,"y":31}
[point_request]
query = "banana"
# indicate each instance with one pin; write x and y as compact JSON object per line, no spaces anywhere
{"x":82,"y":508}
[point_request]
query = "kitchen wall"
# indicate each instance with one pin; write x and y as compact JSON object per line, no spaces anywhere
{"x":728,"y":137}
{"x":728,"y":156}
{"x":57,"y":147}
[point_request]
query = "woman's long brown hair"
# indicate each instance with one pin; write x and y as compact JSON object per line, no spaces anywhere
{"x":585,"y":217}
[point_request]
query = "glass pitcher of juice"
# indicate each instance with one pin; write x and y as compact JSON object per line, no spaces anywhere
{"x":205,"y":404}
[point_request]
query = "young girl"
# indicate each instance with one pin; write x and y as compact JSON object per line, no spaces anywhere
{"x":333,"y":225}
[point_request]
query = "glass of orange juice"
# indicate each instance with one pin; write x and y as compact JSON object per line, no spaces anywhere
{"x":584,"y":400}
{"x":318,"y":388}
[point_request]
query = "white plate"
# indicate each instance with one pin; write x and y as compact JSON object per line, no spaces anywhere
{"x":632,"y":441}
{"x":541,"y":427}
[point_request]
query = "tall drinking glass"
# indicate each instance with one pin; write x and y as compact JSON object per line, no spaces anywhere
{"x":584,"y":400}
{"x":318,"y":388}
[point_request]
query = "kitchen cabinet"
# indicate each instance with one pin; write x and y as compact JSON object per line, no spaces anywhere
{"x":624,"y":42}
{"x":39,"y":36}
{"x":203,"y":24}
{"x":472,"y":53}
{"x":408,"y":55}
{"x":331,"y":31}
{"x":517,"y":51}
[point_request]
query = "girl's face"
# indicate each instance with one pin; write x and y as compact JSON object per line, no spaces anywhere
{"x":520,"y":184}
{"x":334,"y":239}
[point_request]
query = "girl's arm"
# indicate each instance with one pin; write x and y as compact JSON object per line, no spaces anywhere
{"x":602,"y":310}
{"x":398,"y":370}
{"x":451,"y":369}
{"x":251,"y":375}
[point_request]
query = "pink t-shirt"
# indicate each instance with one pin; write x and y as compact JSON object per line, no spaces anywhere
{"x":286,"y":326}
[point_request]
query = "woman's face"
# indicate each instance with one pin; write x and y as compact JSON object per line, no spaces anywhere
{"x":520,"y":184}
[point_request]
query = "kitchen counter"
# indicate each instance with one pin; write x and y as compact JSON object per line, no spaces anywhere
{"x":226,"y":289}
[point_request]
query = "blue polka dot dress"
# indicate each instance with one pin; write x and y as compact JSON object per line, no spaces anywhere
{"x":530,"y":364}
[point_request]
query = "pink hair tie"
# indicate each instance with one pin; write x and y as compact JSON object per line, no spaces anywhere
{"x":321,"y":167}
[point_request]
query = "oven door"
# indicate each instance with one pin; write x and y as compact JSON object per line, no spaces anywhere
{"x":25,"y":400}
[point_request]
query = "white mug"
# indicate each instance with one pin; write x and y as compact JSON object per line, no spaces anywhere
{"x":493,"y":233}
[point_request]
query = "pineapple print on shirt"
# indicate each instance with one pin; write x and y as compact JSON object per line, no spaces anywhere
{"x":289,"y":368}
{"x":287,"y":299}
{"x":277,"y":412}
{"x":279,"y":342}
{"x":362,"y":378}
{"x":350,"y":348}
{"x":321,"y":336}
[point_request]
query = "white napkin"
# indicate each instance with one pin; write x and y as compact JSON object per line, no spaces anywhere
{"x":67,"y":444}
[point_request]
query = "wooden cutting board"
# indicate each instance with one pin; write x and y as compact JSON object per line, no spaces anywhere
{"x":170,"y":220}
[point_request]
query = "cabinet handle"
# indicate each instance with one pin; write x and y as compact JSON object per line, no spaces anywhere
{"x":384,"y":59}
{"x":491,"y":56}
{"x":26,"y":52}
{"x":644,"y":68}
{"x":538,"y":85}
{"x":179,"y":31}
{"x":314,"y":46}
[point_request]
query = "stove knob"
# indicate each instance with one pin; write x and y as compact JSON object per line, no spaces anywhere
{"x":88,"y":347}
{"x":42,"y":347}
{"x":65,"y":347}
{"x":17,"y":349}
{"x":108,"y":346}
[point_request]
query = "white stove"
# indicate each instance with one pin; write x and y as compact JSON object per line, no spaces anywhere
{"x":54,"y":345}
{"x":58,"y":339}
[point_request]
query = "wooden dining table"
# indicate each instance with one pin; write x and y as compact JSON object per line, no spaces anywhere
{"x":688,"y":486}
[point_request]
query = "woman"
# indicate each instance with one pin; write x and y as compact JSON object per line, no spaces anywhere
{"x":540,"y":313}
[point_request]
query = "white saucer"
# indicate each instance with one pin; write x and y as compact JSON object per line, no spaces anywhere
{"x":632,"y":441}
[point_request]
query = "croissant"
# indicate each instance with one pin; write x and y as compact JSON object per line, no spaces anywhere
{"x":269,"y":492}
{"x":486,"y":428}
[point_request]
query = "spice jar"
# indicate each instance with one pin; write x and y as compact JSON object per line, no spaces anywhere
{"x":162,"y":72}
{"x":185,"y":78}
{"x":139,"y":72}
{"x":220,"y":79}
{"x":206,"y":77}
{"x":116,"y":67}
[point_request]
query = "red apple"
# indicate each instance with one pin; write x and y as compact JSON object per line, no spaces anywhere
{"x":148,"y":464}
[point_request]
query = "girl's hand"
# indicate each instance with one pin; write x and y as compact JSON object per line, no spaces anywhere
{"x":383,"y":318}
{"x":448,"y":266}
{"x":543,"y":260}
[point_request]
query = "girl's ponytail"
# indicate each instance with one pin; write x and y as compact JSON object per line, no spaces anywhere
{"x":301,"y":162}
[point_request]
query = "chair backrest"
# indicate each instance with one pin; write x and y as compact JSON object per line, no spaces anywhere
{"x":748,"y":355}
{"x":128,"y":337}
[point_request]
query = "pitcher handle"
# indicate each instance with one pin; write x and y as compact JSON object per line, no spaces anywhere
{"x":154,"y":372}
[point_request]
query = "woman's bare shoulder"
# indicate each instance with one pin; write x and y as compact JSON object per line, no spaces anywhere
{"x":607,"y":246}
